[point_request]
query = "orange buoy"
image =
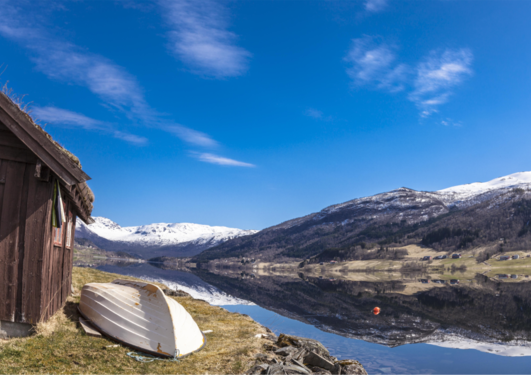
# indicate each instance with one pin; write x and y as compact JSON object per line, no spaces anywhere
{"x":376,"y":311}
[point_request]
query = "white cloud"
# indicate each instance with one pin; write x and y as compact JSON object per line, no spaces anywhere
{"x":314,"y":113}
{"x":437,"y":75}
{"x":318,"y":115}
{"x":430,"y":83}
{"x":59,"y":116}
{"x":191,"y":136}
{"x":220,"y":160}
{"x":450,"y":122}
{"x":131,"y":138}
{"x":375,"y":5}
{"x":375,"y":63}
{"x":199,"y":37}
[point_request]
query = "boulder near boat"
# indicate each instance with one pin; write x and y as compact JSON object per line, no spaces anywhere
{"x":142,"y":317}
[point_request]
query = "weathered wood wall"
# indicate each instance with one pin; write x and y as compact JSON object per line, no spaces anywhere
{"x":35,"y":275}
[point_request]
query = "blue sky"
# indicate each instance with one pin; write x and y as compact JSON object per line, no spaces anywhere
{"x":250,"y":113}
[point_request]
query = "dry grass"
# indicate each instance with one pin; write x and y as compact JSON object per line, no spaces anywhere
{"x":61,"y":347}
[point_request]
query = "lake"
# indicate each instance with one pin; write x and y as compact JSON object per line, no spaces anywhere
{"x":429,"y":326}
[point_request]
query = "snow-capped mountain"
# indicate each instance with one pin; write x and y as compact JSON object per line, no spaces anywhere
{"x":161,"y":239}
{"x":395,"y":217}
{"x":464,"y":194}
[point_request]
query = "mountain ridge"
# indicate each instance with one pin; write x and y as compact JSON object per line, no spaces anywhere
{"x":395,"y":218}
{"x":157,"y":239}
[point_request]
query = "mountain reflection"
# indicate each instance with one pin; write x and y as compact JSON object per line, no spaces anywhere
{"x":482,"y":313}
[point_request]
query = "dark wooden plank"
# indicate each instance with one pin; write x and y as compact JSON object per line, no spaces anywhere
{"x":3,"y":127}
{"x":19,"y":123}
{"x":45,"y":268}
{"x":67,"y":259}
{"x":3,"y":251}
{"x":3,"y":171}
{"x":18,"y":269}
{"x":17,"y":154}
{"x":39,"y":195}
{"x":9,"y":232}
{"x":10,"y":140}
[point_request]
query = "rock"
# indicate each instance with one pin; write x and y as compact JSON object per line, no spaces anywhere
{"x":294,"y":369}
{"x":315,"y":359}
{"x":353,"y":369}
{"x":258,"y":369}
{"x":299,"y":363}
{"x":346,"y":362}
{"x":270,"y":347}
{"x":276,"y":370}
{"x":285,"y":351}
{"x":301,"y":342}
{"x":261,"y":356}
{"x":320,"y":371}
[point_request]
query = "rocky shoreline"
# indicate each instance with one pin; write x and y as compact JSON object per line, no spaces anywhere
{"x":286,"y":355}
{"x":291,"y":355}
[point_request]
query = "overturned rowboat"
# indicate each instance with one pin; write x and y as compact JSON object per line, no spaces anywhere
{"x":142,"y":317}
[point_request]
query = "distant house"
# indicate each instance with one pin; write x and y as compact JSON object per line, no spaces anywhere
{"x":456,"y":256}
{"x":42,"y":191}
{"x":333,"y":261}
{"x":505,"y":257}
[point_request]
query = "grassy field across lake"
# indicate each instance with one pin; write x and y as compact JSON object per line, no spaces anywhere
{"x":60,"y":346}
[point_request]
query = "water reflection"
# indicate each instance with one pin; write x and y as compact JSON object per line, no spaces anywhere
{"x":481,"y":313}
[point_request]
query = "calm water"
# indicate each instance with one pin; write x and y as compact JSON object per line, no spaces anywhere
{"x":479,"y":326}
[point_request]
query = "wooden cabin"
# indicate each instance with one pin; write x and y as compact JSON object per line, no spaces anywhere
{"x":35,"y":257}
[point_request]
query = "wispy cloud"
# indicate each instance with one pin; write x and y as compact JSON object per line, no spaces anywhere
{"x":64,"y":117}
{"x":191,"y":136}
{"x":117,"y":88}
{"x":61,"y":60}
{"x":450,"y":122}
{"x":131,"y":138}
{"x":437,"y":75}
{"x":375,"y":63}
{"x":200,"y":37}
{"x":220,"y":160}
{"x":430,"y":83}
{"x":318,"y":115}
{"x":61,"y":116}
{"x":375,"y":5}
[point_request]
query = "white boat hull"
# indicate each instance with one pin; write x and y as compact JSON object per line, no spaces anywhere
{"x":141,"y":316}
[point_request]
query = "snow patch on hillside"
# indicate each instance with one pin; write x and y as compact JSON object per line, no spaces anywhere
{"x":159,"y":234}
{"x":506,"y":349}
{"x":520,"y":179}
